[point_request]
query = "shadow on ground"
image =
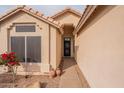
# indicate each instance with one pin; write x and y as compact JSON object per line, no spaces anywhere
{"x":69,"y":63}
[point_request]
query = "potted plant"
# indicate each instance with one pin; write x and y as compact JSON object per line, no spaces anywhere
{"x":11,"y":61}
{"x":58,"y":71}
{"x":52,"y":73}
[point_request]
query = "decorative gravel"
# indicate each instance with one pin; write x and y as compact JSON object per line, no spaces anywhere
{"x":22,"y":81}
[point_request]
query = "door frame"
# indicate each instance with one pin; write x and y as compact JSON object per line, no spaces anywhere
{"x":71,"y":42}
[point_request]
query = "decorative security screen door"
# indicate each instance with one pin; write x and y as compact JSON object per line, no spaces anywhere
{"x":67,"y":46}
{"x":28,"y":49}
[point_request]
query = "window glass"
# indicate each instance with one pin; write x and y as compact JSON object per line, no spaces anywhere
{"x":18,"y":46}
{"x":34,"y":49}
{"x":25,"y":28}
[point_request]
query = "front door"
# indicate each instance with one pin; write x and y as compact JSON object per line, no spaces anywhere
{"x":67,"y":46}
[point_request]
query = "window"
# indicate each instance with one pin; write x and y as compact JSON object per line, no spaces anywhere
{"x":18,"y":46}
{"x":34,"y":49}
{"x":28,"y":49}
{"x":25,"y":28}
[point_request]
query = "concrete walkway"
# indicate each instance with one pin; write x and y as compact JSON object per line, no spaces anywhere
{"x":71,"y":77}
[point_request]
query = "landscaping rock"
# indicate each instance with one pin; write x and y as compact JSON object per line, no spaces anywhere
{"x":34,"y":85}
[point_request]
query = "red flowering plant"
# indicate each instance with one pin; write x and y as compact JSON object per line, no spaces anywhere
{"x":11,"y":60}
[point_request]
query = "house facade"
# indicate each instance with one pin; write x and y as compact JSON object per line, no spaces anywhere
{"x":40,"y":42}
{"x":99,"y":45}
{"x":94,"y":39}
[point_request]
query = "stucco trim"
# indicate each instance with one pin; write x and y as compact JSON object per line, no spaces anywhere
{"x":88,"y":11}
{"x":77,"y":13}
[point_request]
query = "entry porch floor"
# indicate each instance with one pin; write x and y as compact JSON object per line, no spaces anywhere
{"x":72,"y":77}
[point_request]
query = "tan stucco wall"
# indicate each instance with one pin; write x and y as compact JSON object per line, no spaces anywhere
{"x":55,"y":49}
{"x":68,"y":32}
{"x":58,"y":48}
{"x":70,"y":21}
{"x":42,"y":29}
{"x":100,"y":48}
{"x":68,"y":18}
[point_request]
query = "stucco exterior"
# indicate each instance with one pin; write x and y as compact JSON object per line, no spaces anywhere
{"x":68,"y":18}
{"x":48,"y":35}
{"x":96,"y":42}
{"x":51,"y":30}
{"x":55,"y":48}
{"x":99,"y":47}
{"x":58,"y":48}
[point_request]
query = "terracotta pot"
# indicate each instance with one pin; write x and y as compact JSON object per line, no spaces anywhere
{"x":58,"y":71}
{"x":52,"y":73}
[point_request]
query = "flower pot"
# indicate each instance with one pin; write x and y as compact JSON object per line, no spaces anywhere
{"x":58,"y":71}
{"x":52,"y":73}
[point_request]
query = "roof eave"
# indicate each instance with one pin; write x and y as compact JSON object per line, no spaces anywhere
{"x":66,"y":10}
{"x":88,"y":11}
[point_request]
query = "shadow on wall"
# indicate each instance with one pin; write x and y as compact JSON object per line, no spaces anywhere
{"x":97,"y":14}
{"x":76,"y":50}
